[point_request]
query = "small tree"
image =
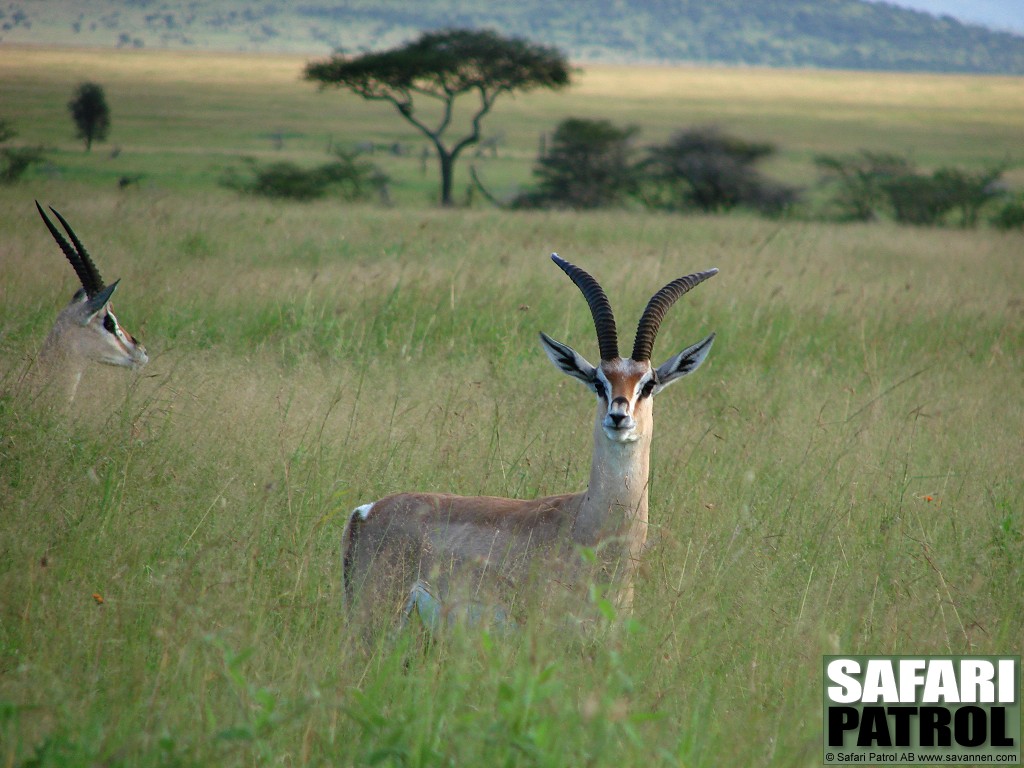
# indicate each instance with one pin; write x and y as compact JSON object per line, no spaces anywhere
{"x":1010,"y":214}
{"x":917,"y":199}
{"x":440,"y":67}
{"x":587,"y":166}
{"x":969,"y":191}
{"x":928,"y":200}
{"x":861,"y":181}
{"x":15,"y":161}
{"x":90,"y":112}
{"x":707,"y":169}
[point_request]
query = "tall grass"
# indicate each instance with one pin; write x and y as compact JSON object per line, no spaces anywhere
{"x":843,"y":475}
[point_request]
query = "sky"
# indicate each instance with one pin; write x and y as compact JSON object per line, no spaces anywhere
{"x":1005,"y":15}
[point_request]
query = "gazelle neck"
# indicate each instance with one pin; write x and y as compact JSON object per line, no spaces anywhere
{"x":614,"y":507}
{"x":58,"y":367}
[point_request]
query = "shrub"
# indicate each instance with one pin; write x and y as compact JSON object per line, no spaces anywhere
{"x":917,"y":199}
{"x":860,"y":181}
{"x":706,"y":169}
{"x":15,"y":161}
{"x":587,"y":166}
{"x":1010,"y":215}
{"x":969,"y":191}
{"x":872,"y":182}
{"x":350,"y":178}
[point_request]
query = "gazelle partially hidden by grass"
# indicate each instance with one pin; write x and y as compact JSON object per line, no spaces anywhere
{"x":436,"y":551}
{"x":86,"y":330}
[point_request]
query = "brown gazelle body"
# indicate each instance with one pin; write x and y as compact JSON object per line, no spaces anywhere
{"x":487,"y":549}
{"x":86,"y":330}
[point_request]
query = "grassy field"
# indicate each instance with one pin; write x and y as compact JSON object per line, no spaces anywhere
{"x":179,"y":120}
{"x":842,"y":476}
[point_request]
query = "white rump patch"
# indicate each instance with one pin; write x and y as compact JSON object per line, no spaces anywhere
{"x":363,"y":512}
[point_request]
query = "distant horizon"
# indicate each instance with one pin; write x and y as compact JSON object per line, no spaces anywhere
{"x":894,"y":35}
{"x":998,"y":15}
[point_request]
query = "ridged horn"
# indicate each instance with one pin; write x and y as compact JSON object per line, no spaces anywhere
{"x":83,"y":265}
{"x":600,"y":307}
{"x":660,"y":303}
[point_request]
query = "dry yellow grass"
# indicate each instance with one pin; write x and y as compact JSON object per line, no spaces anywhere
{"x":161,"y":101}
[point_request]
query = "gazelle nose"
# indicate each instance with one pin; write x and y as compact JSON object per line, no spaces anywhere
{"x":618,"y":412}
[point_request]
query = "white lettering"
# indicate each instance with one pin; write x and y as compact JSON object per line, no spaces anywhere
{"x":976,"y":681}
{"x":848,"y":689}
{"x":925,"y":680}
{"x":909,"y":680}
{"x":879,"y":682}
{"x":1007,"y":684}
{"x":940,"y":680}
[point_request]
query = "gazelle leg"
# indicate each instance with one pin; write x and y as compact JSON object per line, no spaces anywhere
{"x":425,"y":604}
{"x":435,"y":614}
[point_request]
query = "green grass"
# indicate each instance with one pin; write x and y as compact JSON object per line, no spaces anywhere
{"x":842,"y":476}
{"x":858,"y":371}
{"x":179,"y":120}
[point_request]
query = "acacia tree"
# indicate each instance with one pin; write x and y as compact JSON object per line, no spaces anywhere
{"x":441,"y":66}
{"x":90,"y":112}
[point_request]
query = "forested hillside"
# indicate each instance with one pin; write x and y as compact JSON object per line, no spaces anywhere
{"x":847,"y":34}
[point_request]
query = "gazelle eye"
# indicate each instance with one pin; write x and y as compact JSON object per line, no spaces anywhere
{"x":109,"y":324}
{"x":648,"y":388}
{"x":602,"y":392}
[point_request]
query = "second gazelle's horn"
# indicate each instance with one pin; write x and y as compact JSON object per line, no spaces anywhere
{"x":600,"y":307}
{"x":660,"y":303}
{"x":80,"y":260}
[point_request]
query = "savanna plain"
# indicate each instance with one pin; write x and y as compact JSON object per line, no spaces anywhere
{"x":844,"y":474}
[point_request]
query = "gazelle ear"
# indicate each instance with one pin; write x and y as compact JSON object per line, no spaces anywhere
{"x":99,"y":301}
{"x":684,"y":363}
{"x":569,"y":361}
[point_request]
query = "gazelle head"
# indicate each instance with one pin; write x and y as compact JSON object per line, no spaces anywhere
{"x":87,"y":328}
{"x":625,"y":386}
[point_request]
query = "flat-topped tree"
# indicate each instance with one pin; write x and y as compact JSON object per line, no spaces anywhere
{"x":441,"y":66}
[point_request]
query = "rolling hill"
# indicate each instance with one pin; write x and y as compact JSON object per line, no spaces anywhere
{"x":835,"y":34}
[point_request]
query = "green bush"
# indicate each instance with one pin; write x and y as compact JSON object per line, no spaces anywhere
{"x":872,"y":183}
{"x":917,"y":199}
{"x":706,"y":169}
{"x":859,"y":182}
{"x":969,"y":191}
{"x":15,"y":161}
{"x":350,"y":178}
{"x":587,"y":166}
{"x":1010,"y":215}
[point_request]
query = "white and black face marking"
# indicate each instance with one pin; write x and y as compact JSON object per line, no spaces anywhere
{"x":623,"y":386}
{"x":619,"y":384}
{"x":128,"y":351}
{"x":98,"y":336}
{"x":108,"y":342}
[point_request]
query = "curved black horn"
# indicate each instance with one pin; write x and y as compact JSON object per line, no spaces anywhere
{"x":83,"y":265}
{"x":600,"y":307}
{"x":87,"y":262}
{"x":650,"y":321}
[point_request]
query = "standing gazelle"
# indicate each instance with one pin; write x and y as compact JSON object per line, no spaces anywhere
{"x":481,"y":549}
{"x":86,"y":329}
